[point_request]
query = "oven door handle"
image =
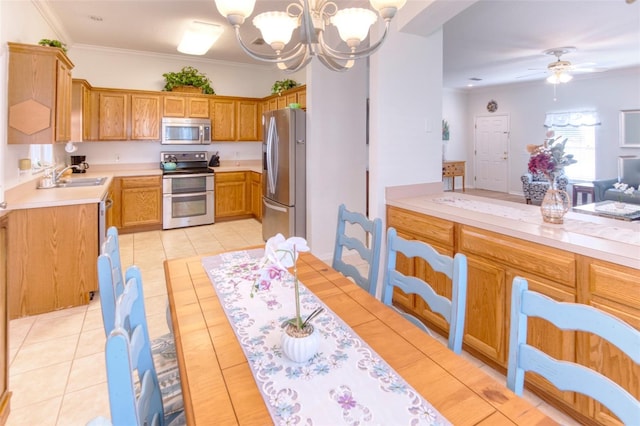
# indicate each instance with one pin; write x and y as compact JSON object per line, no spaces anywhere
{"x":187,"y":176}
{"x":190,"y":194}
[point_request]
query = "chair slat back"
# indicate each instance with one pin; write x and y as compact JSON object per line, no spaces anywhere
{"x":371,"y":254}
{"x":128,"y":353}
{"x":455,"y":268}
{"x":110,"y":282}
{"x":564,"y":375}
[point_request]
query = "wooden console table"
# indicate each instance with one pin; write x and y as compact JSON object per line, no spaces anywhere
{"x":451,"y":169}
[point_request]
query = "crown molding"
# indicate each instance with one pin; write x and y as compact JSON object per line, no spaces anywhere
{"x":52,"y":20}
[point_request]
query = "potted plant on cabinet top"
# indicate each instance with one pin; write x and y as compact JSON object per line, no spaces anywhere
{"x":188,"y":77}
{"x":53,"y":43}
{"x":282,"y":85}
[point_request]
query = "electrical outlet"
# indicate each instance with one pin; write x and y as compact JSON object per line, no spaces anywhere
{"x":117,"y":158}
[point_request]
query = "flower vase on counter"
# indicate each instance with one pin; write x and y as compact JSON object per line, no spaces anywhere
{"x":555,"y":204}
{"x":550,"y":159}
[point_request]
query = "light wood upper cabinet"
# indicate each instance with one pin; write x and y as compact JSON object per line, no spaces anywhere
{"x":223,"y":120}
{"x":117,"y":115}
{"x":185,"y":106}
{"x":145,"y":117}
{"x":247,"y":120}
{"x":39,"y":95}
{"x":113,"y":112}
{"x":197,"y":107}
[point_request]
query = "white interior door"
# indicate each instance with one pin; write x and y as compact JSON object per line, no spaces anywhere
{"x":492,"y":152}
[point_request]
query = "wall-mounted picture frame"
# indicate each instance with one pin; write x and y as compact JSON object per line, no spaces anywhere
{"x":445,"y":130}
{"x":630,"y":128}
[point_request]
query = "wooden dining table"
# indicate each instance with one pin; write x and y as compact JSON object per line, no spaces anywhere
{"x":219,"y":388}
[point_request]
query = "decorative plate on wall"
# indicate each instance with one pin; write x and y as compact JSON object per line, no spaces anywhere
{"x":492,"y":106}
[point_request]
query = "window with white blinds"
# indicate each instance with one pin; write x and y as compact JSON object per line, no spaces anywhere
{"x":579,"y":128}
{"x":581,"y":143}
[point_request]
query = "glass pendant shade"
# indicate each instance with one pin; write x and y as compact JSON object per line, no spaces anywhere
{"x":381,"y":4}
{"x":243,"y":8}
{"x":353,"y":24}
{"x":276,"y":28}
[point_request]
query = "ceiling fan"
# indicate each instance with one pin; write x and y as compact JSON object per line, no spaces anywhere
{"x":559,"y":70}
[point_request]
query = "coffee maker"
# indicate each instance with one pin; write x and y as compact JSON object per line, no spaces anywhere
{"x":79,"y":160}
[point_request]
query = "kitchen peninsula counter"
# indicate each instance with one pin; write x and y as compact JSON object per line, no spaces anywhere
{"x":602,"y":238}
{"x":588,"y":259}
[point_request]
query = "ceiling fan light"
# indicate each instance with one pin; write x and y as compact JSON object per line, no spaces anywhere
{"x":242,"y":8}
{"x":559,"y":77}
{"x":565,"y":77}
{"x":353,"y":24}
{"x":199,"y":38}
{"x":276,"y":28}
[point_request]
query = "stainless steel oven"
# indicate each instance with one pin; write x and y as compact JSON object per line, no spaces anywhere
{"x":187,"y":191}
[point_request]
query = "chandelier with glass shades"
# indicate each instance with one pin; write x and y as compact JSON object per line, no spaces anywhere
{"x":313,"y":18}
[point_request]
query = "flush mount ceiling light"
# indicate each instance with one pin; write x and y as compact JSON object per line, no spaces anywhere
{"x":199,"y":38}
{"x":313,"y":17}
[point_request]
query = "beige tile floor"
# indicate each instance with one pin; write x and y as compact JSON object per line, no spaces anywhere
{"x":57,"y":370}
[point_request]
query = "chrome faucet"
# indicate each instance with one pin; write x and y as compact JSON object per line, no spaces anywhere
{"x":56,"y":175}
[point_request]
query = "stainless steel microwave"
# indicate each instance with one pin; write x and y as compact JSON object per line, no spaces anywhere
{"x":186,"y":131}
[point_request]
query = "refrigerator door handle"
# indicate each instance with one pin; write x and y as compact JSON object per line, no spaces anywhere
{"x":271,"y":167}
{"x":273,"y":206}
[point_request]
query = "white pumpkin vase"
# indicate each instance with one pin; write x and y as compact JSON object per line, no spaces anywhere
{"x":300,"y":346}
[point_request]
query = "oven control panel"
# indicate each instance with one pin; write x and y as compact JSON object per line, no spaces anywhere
{"x":182,"y":157}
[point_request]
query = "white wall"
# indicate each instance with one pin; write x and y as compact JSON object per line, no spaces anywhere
{"x":527,"y":104}
{"x":406,"y":115}
{"x":336,"y":150}
{"x":459,"y":147}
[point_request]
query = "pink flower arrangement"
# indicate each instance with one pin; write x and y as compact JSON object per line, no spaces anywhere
{"x":549,"y":158}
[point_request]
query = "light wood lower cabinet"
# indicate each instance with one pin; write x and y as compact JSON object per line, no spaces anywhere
{"x":137,"y":203}
{"x":231,"y":194}
{"x":493,"y":261}
{"x":5,"y":395}
{"x":256,"y":195}
{"x":238,"y":195}
{"x":52,"y":261}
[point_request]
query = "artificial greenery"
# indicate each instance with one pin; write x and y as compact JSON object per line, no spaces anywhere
{"x":188,"y":76}
{"x":53,"y":43}
{"x":282,"y":85}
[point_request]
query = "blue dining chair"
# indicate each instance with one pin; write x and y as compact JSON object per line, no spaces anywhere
{"x":371,"y":254}
{"x":110,"y":283}
{"x":111,"y":286}
{"x":134,"y":391}
{"x":455,"y":268}
{"x":565,"y":375}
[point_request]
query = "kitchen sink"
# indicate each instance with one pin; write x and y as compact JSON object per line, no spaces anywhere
{"x":75,"y":182}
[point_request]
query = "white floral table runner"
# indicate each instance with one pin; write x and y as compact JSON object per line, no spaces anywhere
{"x":346,"y":382}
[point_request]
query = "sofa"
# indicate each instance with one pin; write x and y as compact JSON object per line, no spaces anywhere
{"x":629,"y":173}
{"x":535,"y":185}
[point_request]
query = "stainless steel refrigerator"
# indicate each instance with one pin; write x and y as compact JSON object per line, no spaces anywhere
{"x":284,"y":173}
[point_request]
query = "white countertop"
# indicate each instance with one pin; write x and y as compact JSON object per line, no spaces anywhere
{"x":28,"y":196}
{"x":612,"y":240}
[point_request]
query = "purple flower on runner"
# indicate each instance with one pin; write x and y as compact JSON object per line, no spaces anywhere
{"x":347,"y":402}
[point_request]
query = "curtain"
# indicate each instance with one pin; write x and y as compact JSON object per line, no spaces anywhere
{"x":575,"y":119}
